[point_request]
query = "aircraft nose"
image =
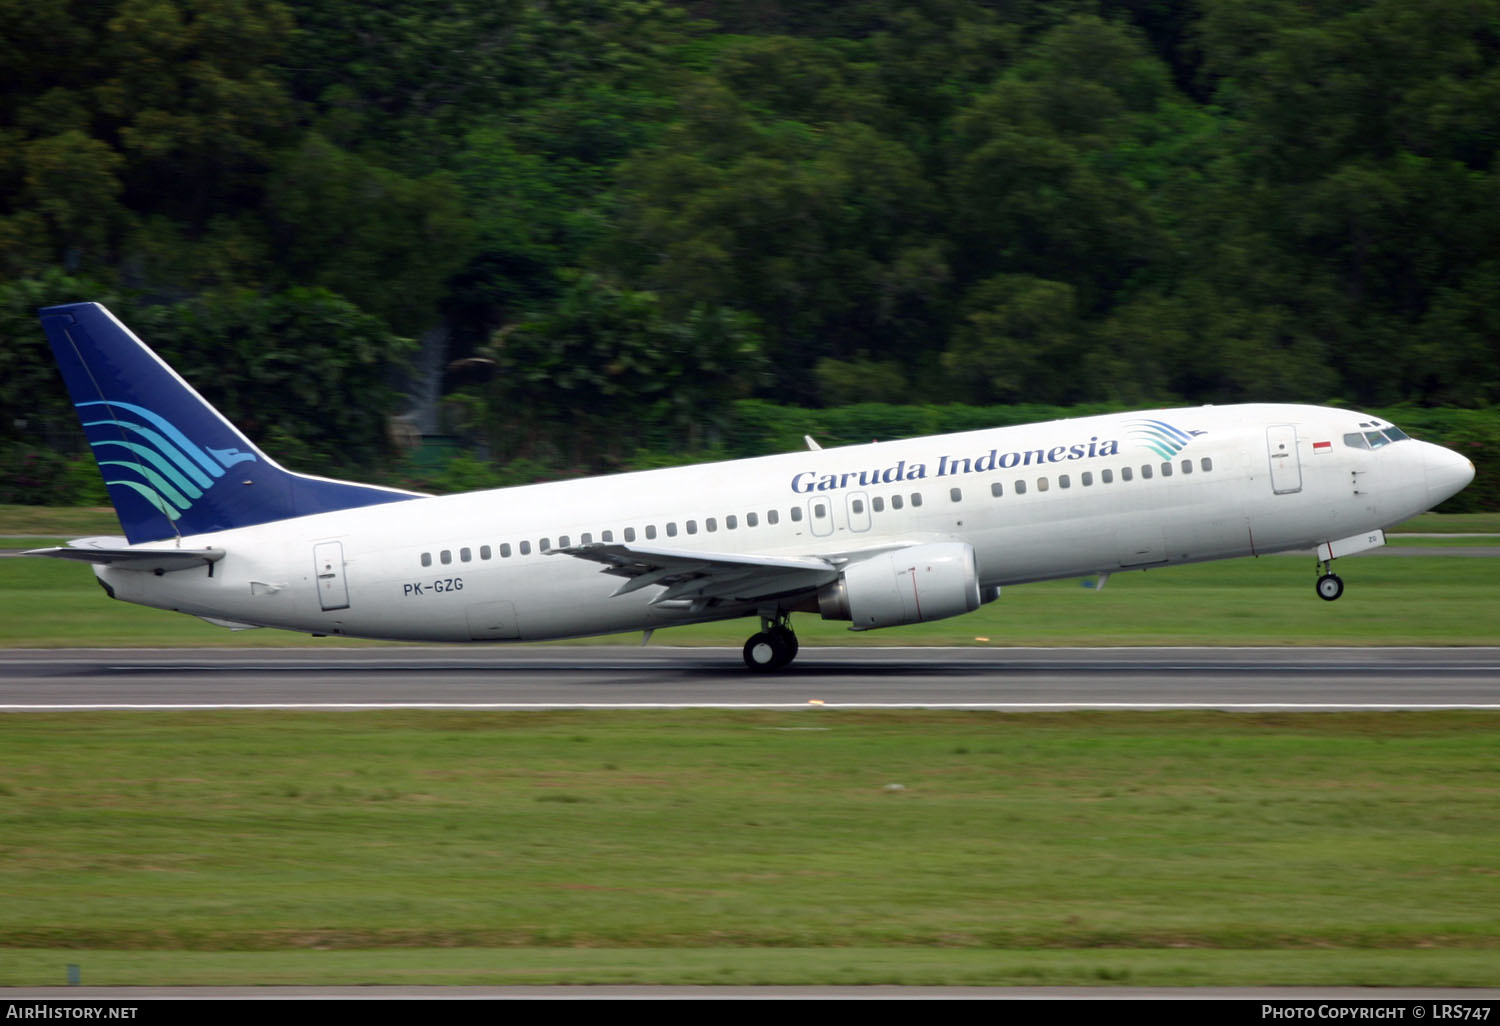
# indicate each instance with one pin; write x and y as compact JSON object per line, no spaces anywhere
{"x":1447,"y":473}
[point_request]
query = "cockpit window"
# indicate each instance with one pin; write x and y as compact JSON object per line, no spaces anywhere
{"x":1375,"y":439}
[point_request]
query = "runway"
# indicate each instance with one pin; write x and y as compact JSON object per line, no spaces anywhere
{"x":604,"y":677}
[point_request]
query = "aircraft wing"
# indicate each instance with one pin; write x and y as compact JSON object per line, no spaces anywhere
{"x":699,"y":577}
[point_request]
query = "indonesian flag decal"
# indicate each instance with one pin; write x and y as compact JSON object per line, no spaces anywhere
{"x":1321,"y":448}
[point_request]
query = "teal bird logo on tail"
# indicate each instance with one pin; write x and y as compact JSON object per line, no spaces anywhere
{"x":153,"y":458}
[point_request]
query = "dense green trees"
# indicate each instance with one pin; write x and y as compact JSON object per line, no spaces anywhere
{"x":613,"y":217}
{"x":606,"y":363}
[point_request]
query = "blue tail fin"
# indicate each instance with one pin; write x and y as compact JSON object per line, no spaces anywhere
{"x":174,"y":466}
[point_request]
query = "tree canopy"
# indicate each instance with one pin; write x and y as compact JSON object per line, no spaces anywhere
{"x":663,"y":206}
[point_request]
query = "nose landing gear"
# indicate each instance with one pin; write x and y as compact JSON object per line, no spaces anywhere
{"x":1330,"y":585}
{"x":774,"y":647}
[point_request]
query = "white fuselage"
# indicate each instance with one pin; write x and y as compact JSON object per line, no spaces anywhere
{"x":1251,"y":480}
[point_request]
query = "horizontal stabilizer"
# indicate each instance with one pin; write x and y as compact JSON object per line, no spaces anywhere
{"x":148,"y":560}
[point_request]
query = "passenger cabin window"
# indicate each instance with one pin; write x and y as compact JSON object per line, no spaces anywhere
{"x":916,"y":498}
{"x":505,"y":550}
{"x":545,"y":545}
{"x":997,"y":489}
{"x":1088,"y":478}
{"x":562,"y":542}
{"x":1106,"y":476}
{"x":484,"y":552}
{"x":1145,"y":472}
{"x":607,"y":537}
{"x":877,"y":504}
{"x":751,"y":520}
{"x":956,"y":494}
{"x":797,"y":514}
{"x":772,"y":517}
{"x":711,"y":525}
{"x":858,"y":505}
{"x":1063,"y":482}
{"x":1166,"y":469}
{"x":630,"y":534}
{"x":650,"y":531}
{"x":465,"y":555}
{"x":1041,"y":484}
{"x":1125,"y":474}
{"x":426,"y":559}
{"x":671,"y":529}
{"x":1187,"y":466}
{"x":445,"y":557}
{"x":692,"y":527}
{"x":731,"y":522}
{"x":1020,"y":487}
{"x":1206,"y":464}
{"x":896,"y":502}
{"x":526,"y":548}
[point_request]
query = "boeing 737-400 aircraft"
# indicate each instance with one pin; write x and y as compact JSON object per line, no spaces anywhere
{"x":879,"y":535}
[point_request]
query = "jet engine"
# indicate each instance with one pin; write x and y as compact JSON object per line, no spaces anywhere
{"x":912,"y":585}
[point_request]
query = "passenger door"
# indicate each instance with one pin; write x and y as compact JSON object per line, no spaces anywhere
{"x":328,"y":565}
{"x":1286,"y":465}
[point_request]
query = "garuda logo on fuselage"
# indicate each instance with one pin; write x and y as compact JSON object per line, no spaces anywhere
{"x":158,"y":460}
{"x":1160,"y":437}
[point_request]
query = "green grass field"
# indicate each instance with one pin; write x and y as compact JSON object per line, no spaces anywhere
{"x":820,"y":845}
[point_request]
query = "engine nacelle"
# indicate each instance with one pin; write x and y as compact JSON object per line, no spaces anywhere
{"x":924,"y":582}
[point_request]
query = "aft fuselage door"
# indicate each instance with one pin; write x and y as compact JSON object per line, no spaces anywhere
{"x":328,"y":565}
{"x":1286,"y":465}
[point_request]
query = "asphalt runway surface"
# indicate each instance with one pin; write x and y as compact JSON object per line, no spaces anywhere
{"x":521,"y":677}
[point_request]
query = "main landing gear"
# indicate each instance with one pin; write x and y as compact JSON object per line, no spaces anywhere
{"x":774,"y":646}
{"x":1330,"y":585}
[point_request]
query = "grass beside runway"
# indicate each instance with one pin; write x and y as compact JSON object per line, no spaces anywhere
{"x":784,"y":967}
{"x":789,"y":847}
{"x":1416,"y":600}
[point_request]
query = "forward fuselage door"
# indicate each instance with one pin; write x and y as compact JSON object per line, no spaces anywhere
{"x":1286,"y":465}
{"x":328,"y":565}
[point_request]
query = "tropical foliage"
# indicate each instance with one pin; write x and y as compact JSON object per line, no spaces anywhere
{"x":612,"y":219}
